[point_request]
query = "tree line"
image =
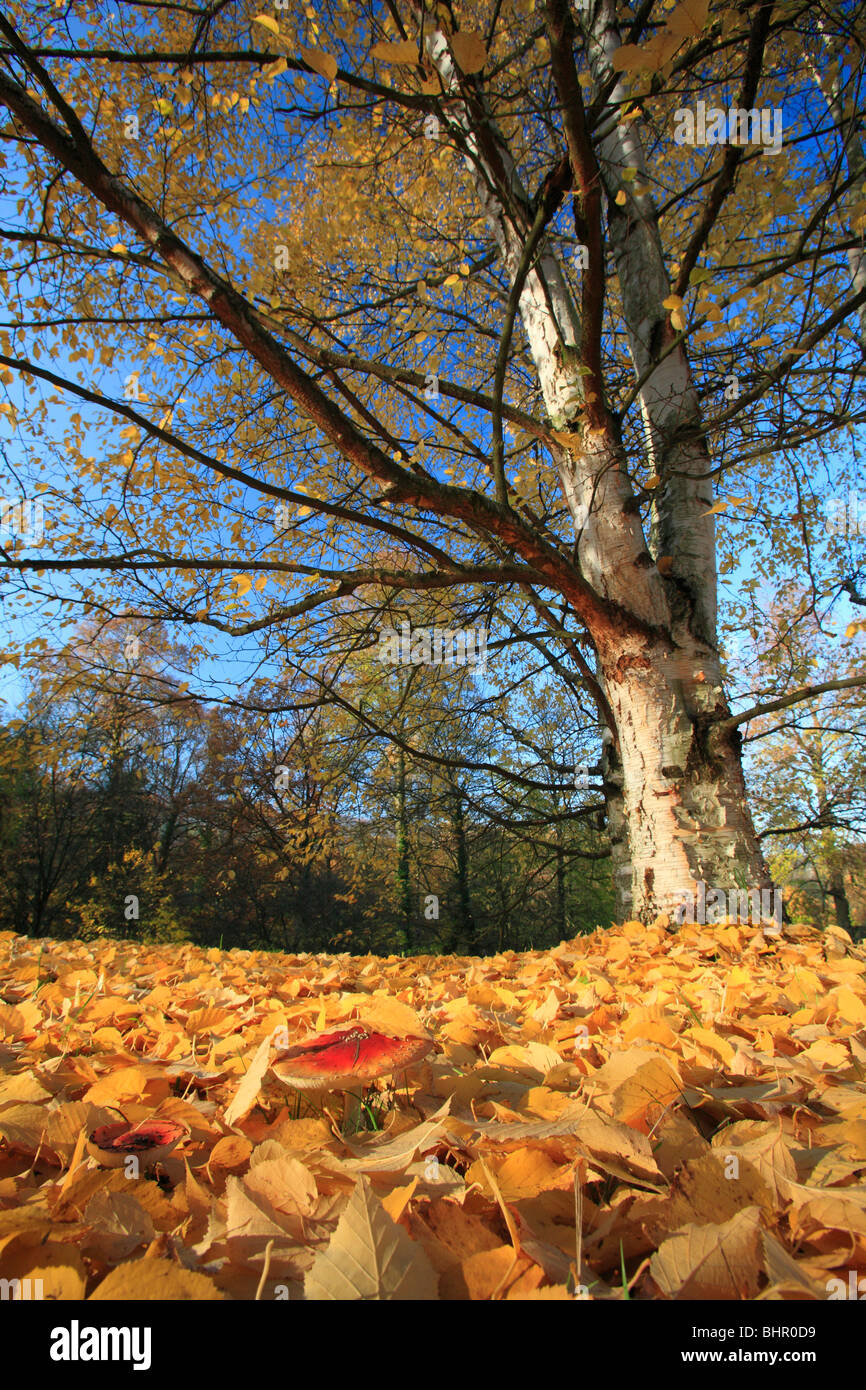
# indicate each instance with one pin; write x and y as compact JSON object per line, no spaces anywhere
{"x":129,"y":810}
{"x":446,"y":821}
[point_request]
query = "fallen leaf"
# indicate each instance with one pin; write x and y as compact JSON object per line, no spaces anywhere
{"x":383,"y":1153}
{"x":711,"y":1261}
{"x":246,"y":1094}
{"x":150,"y":1280}
{"x":398,"y":1199}
{"x":370,"y":1257}
{"x":118,"y":1226}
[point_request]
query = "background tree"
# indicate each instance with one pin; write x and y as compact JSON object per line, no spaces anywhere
{"x":129,"y":809}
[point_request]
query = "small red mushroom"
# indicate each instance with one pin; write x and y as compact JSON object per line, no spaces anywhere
{"x":346,"y":1060}
{"x":111,"y":1145}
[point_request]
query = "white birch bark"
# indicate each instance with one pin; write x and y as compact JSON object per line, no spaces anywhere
{"x":680,"y":530}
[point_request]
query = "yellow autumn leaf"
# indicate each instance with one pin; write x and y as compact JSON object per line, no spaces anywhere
{"x":243,"y":582}
{"x":322,"y":63}
{"x":711,"y":1041}
{"x":711,"y":1261}
{"x":738,"y":975}
{"x":826,"y":1052}
{"x":370,"y":1257}
{"x":567,"y":439}
{"x":275,"y":69}
{"x":245,"y":1096}
{"x":849,"y":1007}
{"x":130,"y":1083}
{"x":267,"y":22}
{"x":724,"y":504}
{"x":152,"y":1280}
{"x":688,"y":19}
{"x":404,"y":52}
{"x":390,"y":1016}
{"x":469,"y":49}
{"x":398,"y":1199}
{"x":629,"y":57}
{"x":646,"y":57}
{"x":60,"y":1281}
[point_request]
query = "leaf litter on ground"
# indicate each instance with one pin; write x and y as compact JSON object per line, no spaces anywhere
{"x":635,"y":1114}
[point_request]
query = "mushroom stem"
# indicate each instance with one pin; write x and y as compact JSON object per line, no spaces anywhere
{"x":351,"y":1112}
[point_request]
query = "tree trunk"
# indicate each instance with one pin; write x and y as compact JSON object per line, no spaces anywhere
{"x":404,"y":887}
{"x":617,"y":830}
{"x":684,"y":797}
{"x":165,"y":840}
{"x":840,"y":898}
{"x":466,"y":922}
{"x":675,"y":788}
{"x":560,"y":893}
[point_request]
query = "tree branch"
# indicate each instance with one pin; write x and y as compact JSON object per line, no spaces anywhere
{"x":806,"y":692}
{"x":587,"y":218}
{"x":724,"y":181}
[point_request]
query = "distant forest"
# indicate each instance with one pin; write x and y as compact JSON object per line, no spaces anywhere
{"x":129,"y":808}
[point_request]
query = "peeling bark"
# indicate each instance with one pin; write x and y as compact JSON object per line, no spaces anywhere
{"x":684,"y":796}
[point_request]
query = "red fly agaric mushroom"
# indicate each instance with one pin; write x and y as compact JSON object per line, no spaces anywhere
{"x":111,"y":1145}
{"x":346,"y":1060}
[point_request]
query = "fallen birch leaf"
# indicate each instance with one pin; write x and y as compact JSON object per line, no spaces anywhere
{"x":154,"y":1280}
{"x":245,"y":1096}
{"x":711,"y":1261}
{"x":370,"y":1257}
